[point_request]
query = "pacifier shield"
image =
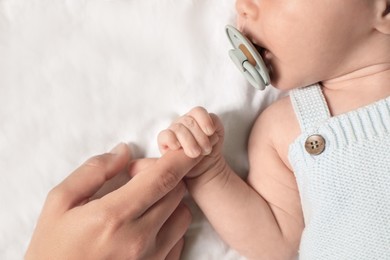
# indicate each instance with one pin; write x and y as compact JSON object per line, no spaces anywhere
{"x":247,"y":59}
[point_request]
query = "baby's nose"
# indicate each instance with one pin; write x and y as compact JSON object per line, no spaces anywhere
{"x":246,"y":9}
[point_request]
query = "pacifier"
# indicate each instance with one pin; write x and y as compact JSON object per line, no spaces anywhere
{"x":247,"y":59}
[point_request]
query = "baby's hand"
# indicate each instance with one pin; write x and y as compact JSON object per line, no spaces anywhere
{"x":196,"y":132}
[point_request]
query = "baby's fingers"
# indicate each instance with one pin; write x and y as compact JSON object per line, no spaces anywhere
{"x":192,"y":132}
{"x":203,"y":119}
{"x":191,"y":138}
{"x":167,"y":140}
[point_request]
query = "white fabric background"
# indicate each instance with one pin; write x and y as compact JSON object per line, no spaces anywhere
{"x":79,"y":76}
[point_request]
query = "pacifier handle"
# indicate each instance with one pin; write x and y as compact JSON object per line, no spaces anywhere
{"x":253,"y":76}
{"x":245,"y":65}
{"x":247,"y":59}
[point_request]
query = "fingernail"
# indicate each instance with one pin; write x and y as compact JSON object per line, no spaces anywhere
{"x":118,"y":148}
{"x":209,"y":131}
{"x":195,"y":152}
{"x":207,"y":151}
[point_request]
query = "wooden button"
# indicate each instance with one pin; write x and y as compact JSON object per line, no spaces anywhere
{"x":315,"y":144}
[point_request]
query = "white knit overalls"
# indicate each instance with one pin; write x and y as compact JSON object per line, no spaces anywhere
{"x":345,"y":190}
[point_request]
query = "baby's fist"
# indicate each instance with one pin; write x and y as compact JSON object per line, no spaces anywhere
{"x":195,"y":132}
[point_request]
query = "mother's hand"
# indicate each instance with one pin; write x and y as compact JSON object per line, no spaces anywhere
{"x":142,"y":219}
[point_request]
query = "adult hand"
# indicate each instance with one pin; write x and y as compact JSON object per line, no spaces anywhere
{"x":143,"y":219}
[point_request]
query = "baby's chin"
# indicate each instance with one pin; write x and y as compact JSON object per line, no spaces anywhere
{"x":286,"y":82}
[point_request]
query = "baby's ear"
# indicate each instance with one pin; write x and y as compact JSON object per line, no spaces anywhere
{"x":383,"y":16}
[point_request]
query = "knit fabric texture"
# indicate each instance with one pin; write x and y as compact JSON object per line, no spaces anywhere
{"x":345,"y":190}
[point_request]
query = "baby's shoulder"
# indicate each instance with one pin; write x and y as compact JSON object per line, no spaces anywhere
{"x":277,"y":125}
{"x":278,"y":118}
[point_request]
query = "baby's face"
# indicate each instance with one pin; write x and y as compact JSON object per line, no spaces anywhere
{"x":306,"y":41}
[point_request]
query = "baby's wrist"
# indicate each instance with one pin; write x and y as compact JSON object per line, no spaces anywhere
{"x":203,"y":175}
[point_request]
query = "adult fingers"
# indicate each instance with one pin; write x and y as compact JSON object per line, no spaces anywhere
{"x":89,"y":178}
{"x":112,"y":184}
{"x":138,"y":165}
{"x":151,"y":184}
{"x":175,"y":252}
{"x":158,"y":214}
{"x":174,"y":228}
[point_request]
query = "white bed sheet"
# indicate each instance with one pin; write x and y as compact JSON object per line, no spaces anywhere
{"x":78,"y":76}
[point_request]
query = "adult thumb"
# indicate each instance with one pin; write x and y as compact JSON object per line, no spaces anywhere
{"x":86,"y":180}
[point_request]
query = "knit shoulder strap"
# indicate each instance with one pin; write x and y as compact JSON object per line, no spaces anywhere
{"x":310,"y":106}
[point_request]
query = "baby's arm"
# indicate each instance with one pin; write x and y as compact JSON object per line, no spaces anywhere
{"x":243,"y":217}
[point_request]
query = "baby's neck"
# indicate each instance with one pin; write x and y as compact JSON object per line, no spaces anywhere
{"x":358,"y":88}
{"x":370,"y":74}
